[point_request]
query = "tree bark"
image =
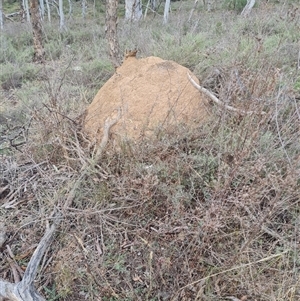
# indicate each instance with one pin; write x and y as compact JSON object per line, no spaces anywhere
{"x":42,"y":9}
{"x":48,"y":11}
{"x":70,"y":9}
{"x":83,"y":6}
{"x":61,"y":15}
{"x":133,"y":10}
{"x":111,"y":23}
{"x":166,"y":11}
{"x":1,"y":15}
{"x":26,"y":9}
{"x":247,"y":9}
{"x":153,"y":5}
{"x":39,"y":52}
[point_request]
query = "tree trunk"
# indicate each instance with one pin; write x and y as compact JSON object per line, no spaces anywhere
{"x":39,"y":52}
{"x":42,"y":9}
{"x":166,"y":11}
{"x":153,"y":5}
{"x":111,"y":24}
{"x":26,"y":9}
{"x":70,"y":9}
{"x":133,"y":10}
{"x":1,"y":15}
{"x":48,"y":11}
{"x":83,"y":4}
{"x":61,"y":15}
{"x":247,"y":9}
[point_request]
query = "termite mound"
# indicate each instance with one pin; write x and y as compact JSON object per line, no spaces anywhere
{"x":145,"y":95}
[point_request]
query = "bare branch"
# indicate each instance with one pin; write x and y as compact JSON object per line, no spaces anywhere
{"x":219,"y":102}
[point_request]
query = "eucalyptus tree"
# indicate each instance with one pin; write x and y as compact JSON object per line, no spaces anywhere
{"x":48,"y":11}
{"x":62,"y":25}
{"x":39,"y":52}
{"x":26,"y":9}
{"x":42,"y":8}
{"x":83,"y":6}
{"x":111,"y":24}
{"x":166,"y":11}
{"x":153,"y":4}
{"x":1,"y":15}
{"x":70,"y":8}
{"x":133,"y":10}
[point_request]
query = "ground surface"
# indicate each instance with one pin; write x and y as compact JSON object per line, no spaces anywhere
{"x":209,"y":212}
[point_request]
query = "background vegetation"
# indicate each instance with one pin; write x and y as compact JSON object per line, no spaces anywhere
{"x":205,"y":214}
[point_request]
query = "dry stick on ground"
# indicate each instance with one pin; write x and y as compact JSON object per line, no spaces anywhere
{"x":219,"y":102}
{"x":25,"y":290}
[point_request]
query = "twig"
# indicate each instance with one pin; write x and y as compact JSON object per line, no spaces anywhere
{"x":62,"y":115}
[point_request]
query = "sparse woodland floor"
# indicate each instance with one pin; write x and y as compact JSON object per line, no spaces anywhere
{"x":211,"y":213}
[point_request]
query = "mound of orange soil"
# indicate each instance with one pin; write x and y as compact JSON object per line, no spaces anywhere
{"x":146,"y":94}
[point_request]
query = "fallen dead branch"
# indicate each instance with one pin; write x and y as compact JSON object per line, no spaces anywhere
{"x":219,"y":102}
{"x":25,"y":290}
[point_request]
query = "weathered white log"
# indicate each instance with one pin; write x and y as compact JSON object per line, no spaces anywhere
{"x":25,"y":290}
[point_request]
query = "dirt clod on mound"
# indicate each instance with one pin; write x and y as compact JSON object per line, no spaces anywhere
{"x":146,"y":94}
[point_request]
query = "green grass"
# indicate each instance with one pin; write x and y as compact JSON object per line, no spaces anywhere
{"x":11,"y":6}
